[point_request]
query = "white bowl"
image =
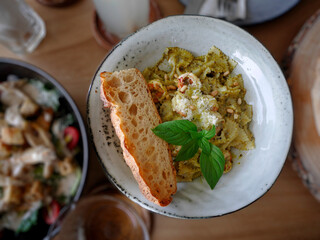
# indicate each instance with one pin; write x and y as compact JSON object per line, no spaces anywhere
{"x":267,"y":90}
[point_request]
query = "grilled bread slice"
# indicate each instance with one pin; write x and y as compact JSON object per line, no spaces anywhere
{"x":133,"y":115}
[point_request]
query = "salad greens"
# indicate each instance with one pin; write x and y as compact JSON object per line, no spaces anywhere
{"x":28,"y":222}
{"x":76,"y":182}
{"x":48,"y":96}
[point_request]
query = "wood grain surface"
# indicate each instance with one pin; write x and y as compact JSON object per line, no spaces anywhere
{"x":71,"y":55}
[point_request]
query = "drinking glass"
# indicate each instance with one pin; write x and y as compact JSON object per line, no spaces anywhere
{"x":122,"y":17}
{"x":103,"y":217}
{"x":21,"y":28}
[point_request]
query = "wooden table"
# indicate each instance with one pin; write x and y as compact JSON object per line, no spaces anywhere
{"x":70,"y":54}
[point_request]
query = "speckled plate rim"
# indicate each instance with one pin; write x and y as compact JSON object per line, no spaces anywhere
{"x":146,"y":205}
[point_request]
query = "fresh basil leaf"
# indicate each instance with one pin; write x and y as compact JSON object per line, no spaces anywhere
{"x":187,"y":151}
{"x":179,"y":139}
{"x":185,"y":125}
{"x":210,"y":134}
{"x":196,"y":135}
{"x":204,"y":132}
{"x":211,"y":165}
{"x":207,"y":169}
{"x":204,"y":145}
{"x":218,"y":155}
{"x":178,"y":126}
{"x":175,"y":132}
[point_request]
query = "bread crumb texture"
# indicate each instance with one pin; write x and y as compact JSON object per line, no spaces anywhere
{"x":133,"y":115}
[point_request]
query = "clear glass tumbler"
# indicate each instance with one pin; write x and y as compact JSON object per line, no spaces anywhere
{"x":122,"y":17}
{"x":104,"y":217}
{"x":21,"y":28}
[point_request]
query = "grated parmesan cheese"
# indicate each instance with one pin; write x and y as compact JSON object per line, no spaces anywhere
{"x":207,"y":119}
{"x":180,"y":104}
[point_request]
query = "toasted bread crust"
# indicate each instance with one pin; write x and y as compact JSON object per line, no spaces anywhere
{"x":133,"y":115}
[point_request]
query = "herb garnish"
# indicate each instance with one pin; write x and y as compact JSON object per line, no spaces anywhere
{"x":184,"y":133}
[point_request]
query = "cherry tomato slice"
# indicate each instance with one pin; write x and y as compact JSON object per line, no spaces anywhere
{"x":71,"y":135}
{"x":51,"y":212}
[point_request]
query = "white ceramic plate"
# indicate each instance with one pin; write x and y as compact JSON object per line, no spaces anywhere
{"x":267,"y":91}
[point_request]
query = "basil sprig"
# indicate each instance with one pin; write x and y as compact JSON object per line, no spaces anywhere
{"x":184,"y":133}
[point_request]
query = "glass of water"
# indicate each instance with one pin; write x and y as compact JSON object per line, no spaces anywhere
{"x":21,"y":28}
{"x":122,"y":17}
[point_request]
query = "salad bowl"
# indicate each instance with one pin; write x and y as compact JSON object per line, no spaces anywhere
{"x":64,"y":137}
